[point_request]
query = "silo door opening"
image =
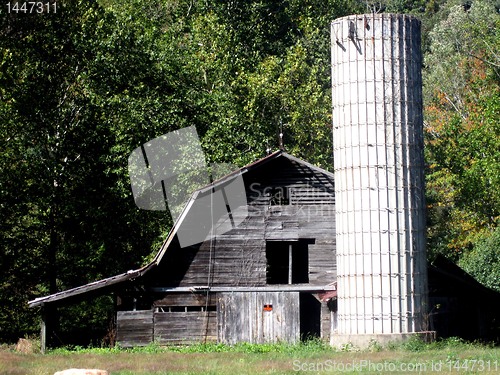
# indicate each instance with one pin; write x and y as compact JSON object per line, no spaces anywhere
{"x":310,"y":317}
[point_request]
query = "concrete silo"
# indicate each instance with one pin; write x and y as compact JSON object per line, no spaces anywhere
{"x":379,"y":177}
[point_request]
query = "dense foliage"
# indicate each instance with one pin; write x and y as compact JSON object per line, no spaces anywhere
{"x":462,"y":88}
{"x":82,"y":87}
{"x":483,"y":262}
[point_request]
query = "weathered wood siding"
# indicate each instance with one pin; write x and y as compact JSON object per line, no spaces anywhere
{"x":242,"y":317}
{"x":237,"y":255}
{"x":197,"y":323}
{"x":286,"y":201}
{"x":134,"y":328}
{"x":185,"y":327}
{"x":166,"y":326}
{"x":228,"y":317}
{"x":185,"y":299}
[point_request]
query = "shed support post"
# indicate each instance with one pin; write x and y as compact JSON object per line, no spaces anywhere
{"x":47,"y":326}
{"x":43,"y":330}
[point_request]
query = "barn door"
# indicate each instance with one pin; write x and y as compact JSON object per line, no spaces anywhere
{"x":258,"y":317}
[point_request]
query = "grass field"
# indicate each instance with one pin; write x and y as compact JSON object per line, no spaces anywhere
{"x":445,"y":357}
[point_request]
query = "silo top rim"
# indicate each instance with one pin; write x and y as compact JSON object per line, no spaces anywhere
{"x":376,"y":16}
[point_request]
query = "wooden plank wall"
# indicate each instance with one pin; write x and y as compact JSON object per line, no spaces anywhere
{"x":186,"y":299}
{"x":197,"y":323}
{"x":242,"y":318}
{"x":134,"y":328}
{"x":139,"y":328}
{"x":237,"y":256}
{"x":185,"y":327}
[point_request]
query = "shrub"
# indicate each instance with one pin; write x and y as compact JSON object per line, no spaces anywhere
{"x":483,"y":262}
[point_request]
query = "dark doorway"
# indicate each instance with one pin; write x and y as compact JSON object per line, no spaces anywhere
{"x":287,"y":262}
{"x":310,"y":317}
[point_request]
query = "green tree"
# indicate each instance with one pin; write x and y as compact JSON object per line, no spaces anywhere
{"x":80,"y":89}
{"x":483,"y":262}
{"x":264,"y":66}
{"x":462,"y":92}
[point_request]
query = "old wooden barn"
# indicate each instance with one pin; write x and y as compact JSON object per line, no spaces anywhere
{"x":265,"y":273}
{"x":268,"y":276}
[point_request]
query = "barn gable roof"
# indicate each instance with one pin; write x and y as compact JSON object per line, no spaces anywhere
{"x":111,"y":283}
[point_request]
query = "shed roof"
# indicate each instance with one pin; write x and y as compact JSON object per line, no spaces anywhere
{"x":101,"y":285}
{"x":105,"y":285}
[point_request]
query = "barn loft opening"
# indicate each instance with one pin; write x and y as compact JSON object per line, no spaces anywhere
{"x":287,"y":262}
